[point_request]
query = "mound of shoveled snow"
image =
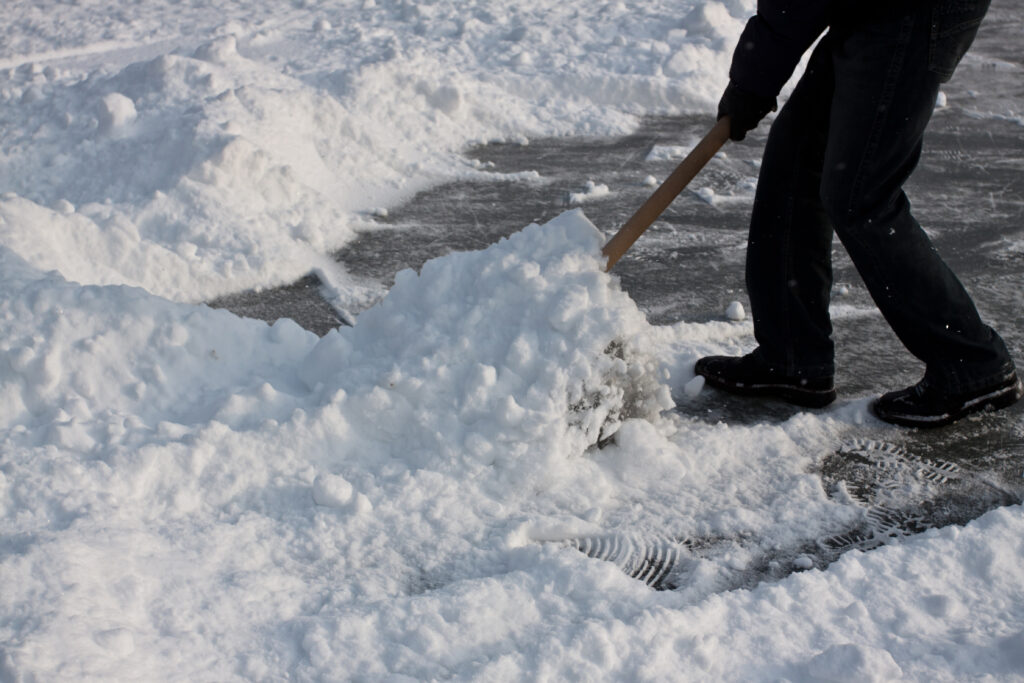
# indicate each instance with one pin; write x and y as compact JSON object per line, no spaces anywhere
{"x":517,"y":356}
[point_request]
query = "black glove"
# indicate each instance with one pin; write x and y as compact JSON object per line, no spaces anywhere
{"x":744,"y":109}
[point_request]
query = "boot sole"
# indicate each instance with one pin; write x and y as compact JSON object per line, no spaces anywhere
{"x":1002,"y":397}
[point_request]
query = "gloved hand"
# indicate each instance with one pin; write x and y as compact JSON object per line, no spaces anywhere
{"x":744,"y":109}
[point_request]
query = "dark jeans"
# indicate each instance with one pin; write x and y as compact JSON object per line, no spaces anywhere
{"x":837,"y":157}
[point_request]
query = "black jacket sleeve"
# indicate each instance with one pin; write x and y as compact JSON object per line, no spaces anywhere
{"x":773,"y":42}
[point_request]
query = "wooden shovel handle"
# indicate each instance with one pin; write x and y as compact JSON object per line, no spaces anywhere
{"x":666,"y":192}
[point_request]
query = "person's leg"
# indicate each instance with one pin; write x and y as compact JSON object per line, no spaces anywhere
{"x":789,"y":248}
{"x":789,"y":258}
{"x":883,"y":98}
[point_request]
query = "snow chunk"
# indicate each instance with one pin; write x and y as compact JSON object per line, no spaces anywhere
{"x":221,"y":51}
{"x":115,"y":111}
{"x":706,"y":195}
{"x":332,"y":490}
{"x":591,"y":190}
{"x":735,"y":312}
{"x":692,"y":388}
{"x":803,"y":562}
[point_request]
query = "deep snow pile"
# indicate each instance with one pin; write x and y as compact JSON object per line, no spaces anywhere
{"x":463,"y":396}
{"x":525,"y":344}
{"x":192,"y":495}
{"x":188,"y":495}
{"x":226,"y":145}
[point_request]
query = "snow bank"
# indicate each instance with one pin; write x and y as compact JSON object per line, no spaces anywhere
{"x":217,"y":149}
{"x":469,"y":389}
{"x":187,"y":494}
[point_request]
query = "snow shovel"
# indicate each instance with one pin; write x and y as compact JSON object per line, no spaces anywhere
{"x":666,"y":192}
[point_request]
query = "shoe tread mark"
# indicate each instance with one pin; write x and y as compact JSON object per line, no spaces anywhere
{"x":647,"y":559}
{"x":889,"y":484}
{"x":898,"y":463}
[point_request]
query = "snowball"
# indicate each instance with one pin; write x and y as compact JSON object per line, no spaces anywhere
{"x":706,"y":194}
{"x":940,"y":100}
{"x":650,"y":181}
{"x":115,"y":111}
{"x":693,"y":387}
{"x":331,"y":490}
{"x":321,"y":25}
{"x":735,"y":312}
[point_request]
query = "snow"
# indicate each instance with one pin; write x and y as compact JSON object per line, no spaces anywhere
{"x":591,"y":190}
{"x":239,"y":144}
{"x":186,"y":494}
{"x":706,"y":194}
{"x":735,"y":311}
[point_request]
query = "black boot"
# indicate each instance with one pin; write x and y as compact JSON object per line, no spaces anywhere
{"x":750,"y":375}
{"x":922,"y":405}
